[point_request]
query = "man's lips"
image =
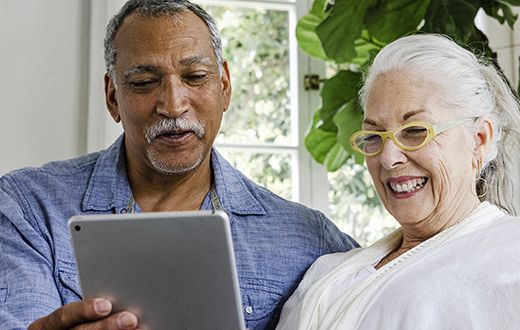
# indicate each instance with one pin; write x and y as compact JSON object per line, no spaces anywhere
{"x":175,"y":137}
{"x":176,"y":133}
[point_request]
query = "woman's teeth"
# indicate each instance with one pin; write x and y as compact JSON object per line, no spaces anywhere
{"x":407,"y":186}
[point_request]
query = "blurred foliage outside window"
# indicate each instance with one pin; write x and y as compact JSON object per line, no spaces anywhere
{"x":256,"y":45}
{"x":355,"y":207}
{"x":255,"y":42}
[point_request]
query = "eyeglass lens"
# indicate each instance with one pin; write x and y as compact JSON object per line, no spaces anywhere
{"x":412,"y":136}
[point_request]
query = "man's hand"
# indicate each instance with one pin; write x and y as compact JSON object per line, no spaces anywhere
{"x":88,"y":314}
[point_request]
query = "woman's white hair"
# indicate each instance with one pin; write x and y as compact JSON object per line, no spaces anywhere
{"x":469,"y":87}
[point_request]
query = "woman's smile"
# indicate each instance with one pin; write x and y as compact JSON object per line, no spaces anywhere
{"x":405,"y":187}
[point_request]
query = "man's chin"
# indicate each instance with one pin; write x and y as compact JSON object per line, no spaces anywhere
{"x":173,"y":168}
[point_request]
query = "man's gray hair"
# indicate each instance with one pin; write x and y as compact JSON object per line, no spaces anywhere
{"x":158,"y":8}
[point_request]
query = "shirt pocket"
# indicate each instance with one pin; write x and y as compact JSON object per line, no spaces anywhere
{"x":68,"y":282}
{"x":259,"y":297}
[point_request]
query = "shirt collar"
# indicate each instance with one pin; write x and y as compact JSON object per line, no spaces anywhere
{"x":109,"y":189}
{"x":234,"y":195}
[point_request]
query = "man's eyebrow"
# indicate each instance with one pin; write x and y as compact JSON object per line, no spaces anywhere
{"x":138,"y":69}
{"x":197,"y":59}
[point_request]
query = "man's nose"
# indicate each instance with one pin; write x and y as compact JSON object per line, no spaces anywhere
{"x":173,"y":100}
{"x":391,"y":156}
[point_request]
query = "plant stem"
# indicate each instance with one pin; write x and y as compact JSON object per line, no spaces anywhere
{"x":371,"y":41}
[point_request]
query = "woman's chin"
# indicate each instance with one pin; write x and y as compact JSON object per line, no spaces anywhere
{"x":408,"y":211}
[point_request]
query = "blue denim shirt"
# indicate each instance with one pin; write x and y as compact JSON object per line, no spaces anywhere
{"x":275,"y":240}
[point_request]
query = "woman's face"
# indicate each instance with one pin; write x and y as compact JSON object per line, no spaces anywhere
{"x":418,"y":187}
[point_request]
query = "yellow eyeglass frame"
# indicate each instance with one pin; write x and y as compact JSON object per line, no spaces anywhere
{"x":432,"y":131}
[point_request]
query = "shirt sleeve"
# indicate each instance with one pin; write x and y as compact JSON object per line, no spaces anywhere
{"x":27,"y":286}
{"x":332,"y":239}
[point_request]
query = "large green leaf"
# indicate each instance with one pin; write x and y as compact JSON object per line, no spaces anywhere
{"x":342,"y":28}
{"x":452,"y":17}
{"x":391,"y":19}
{"x":306,"y":30}
{"x":337,"y":91}
{"x":336,"y":157}
{"x":511,"y":2}
{"x":319,"y":142}
{"x":324,"y":146}
{"x":348,"y":120}
{"x":366,"y":47}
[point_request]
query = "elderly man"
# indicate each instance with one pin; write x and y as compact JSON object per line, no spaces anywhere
{"x":169,"y":86}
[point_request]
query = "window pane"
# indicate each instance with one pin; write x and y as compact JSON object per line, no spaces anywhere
{"x":355,"y":207}
{"x":272,"y":171}
{"x":256,"y":45}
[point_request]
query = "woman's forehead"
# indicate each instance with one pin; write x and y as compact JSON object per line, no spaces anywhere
{"x":402,"y":96}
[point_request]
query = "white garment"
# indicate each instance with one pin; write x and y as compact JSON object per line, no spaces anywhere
{"x":466,"y":277}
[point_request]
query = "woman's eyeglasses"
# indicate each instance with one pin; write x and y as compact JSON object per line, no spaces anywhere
{"x":409,"y":137}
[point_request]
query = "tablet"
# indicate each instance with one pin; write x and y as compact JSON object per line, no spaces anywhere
{"x":174,"y":270}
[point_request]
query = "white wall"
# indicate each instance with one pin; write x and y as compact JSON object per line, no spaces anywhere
{"x":502,"y":40}
{"x":43,"y":86}
{"x":101,"y":130}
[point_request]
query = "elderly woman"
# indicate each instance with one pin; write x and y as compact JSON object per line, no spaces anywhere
{"x":441,"y":140}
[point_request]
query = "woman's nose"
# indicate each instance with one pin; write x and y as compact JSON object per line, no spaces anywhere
{"x":391,"y":156}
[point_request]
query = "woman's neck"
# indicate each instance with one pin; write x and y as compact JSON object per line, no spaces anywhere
{"x":419,"y":232}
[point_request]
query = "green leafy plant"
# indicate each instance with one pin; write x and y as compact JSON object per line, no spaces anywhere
{"x":349,"y":33}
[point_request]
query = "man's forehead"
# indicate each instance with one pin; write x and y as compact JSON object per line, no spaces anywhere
{"x":144,"y":40}
{"x":139,"y":27}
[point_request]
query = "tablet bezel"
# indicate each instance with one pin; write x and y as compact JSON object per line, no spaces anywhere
{"x":173,"y":269}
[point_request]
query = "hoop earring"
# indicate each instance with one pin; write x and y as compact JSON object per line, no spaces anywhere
{"x":480,"y":183}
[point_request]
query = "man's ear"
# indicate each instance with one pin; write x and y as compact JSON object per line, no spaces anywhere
{"x":483,"y":138}
{"x":110,"y":98}
{"x":226,"y":85}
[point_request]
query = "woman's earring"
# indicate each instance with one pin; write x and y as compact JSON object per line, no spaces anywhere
{"x":481,"y":184}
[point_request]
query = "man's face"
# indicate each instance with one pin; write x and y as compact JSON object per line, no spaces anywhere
{"x":167,"y":92}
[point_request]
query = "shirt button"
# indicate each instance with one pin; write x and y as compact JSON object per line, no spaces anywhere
{"x":124,"y":211}
{"x":248,"y":310}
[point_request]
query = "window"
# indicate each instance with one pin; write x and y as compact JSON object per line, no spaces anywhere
{"x":355,"y":207}
{"x":259,"y":133}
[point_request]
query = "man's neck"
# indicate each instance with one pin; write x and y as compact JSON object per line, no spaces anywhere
{"x":155,"y":192}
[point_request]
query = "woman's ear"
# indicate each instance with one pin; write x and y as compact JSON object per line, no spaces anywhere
{"x":483,"y":138}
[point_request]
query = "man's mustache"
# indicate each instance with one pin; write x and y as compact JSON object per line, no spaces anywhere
{"x":174,"y":126}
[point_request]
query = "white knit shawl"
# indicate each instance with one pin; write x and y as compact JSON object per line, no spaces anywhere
{"x":466,"y":277}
